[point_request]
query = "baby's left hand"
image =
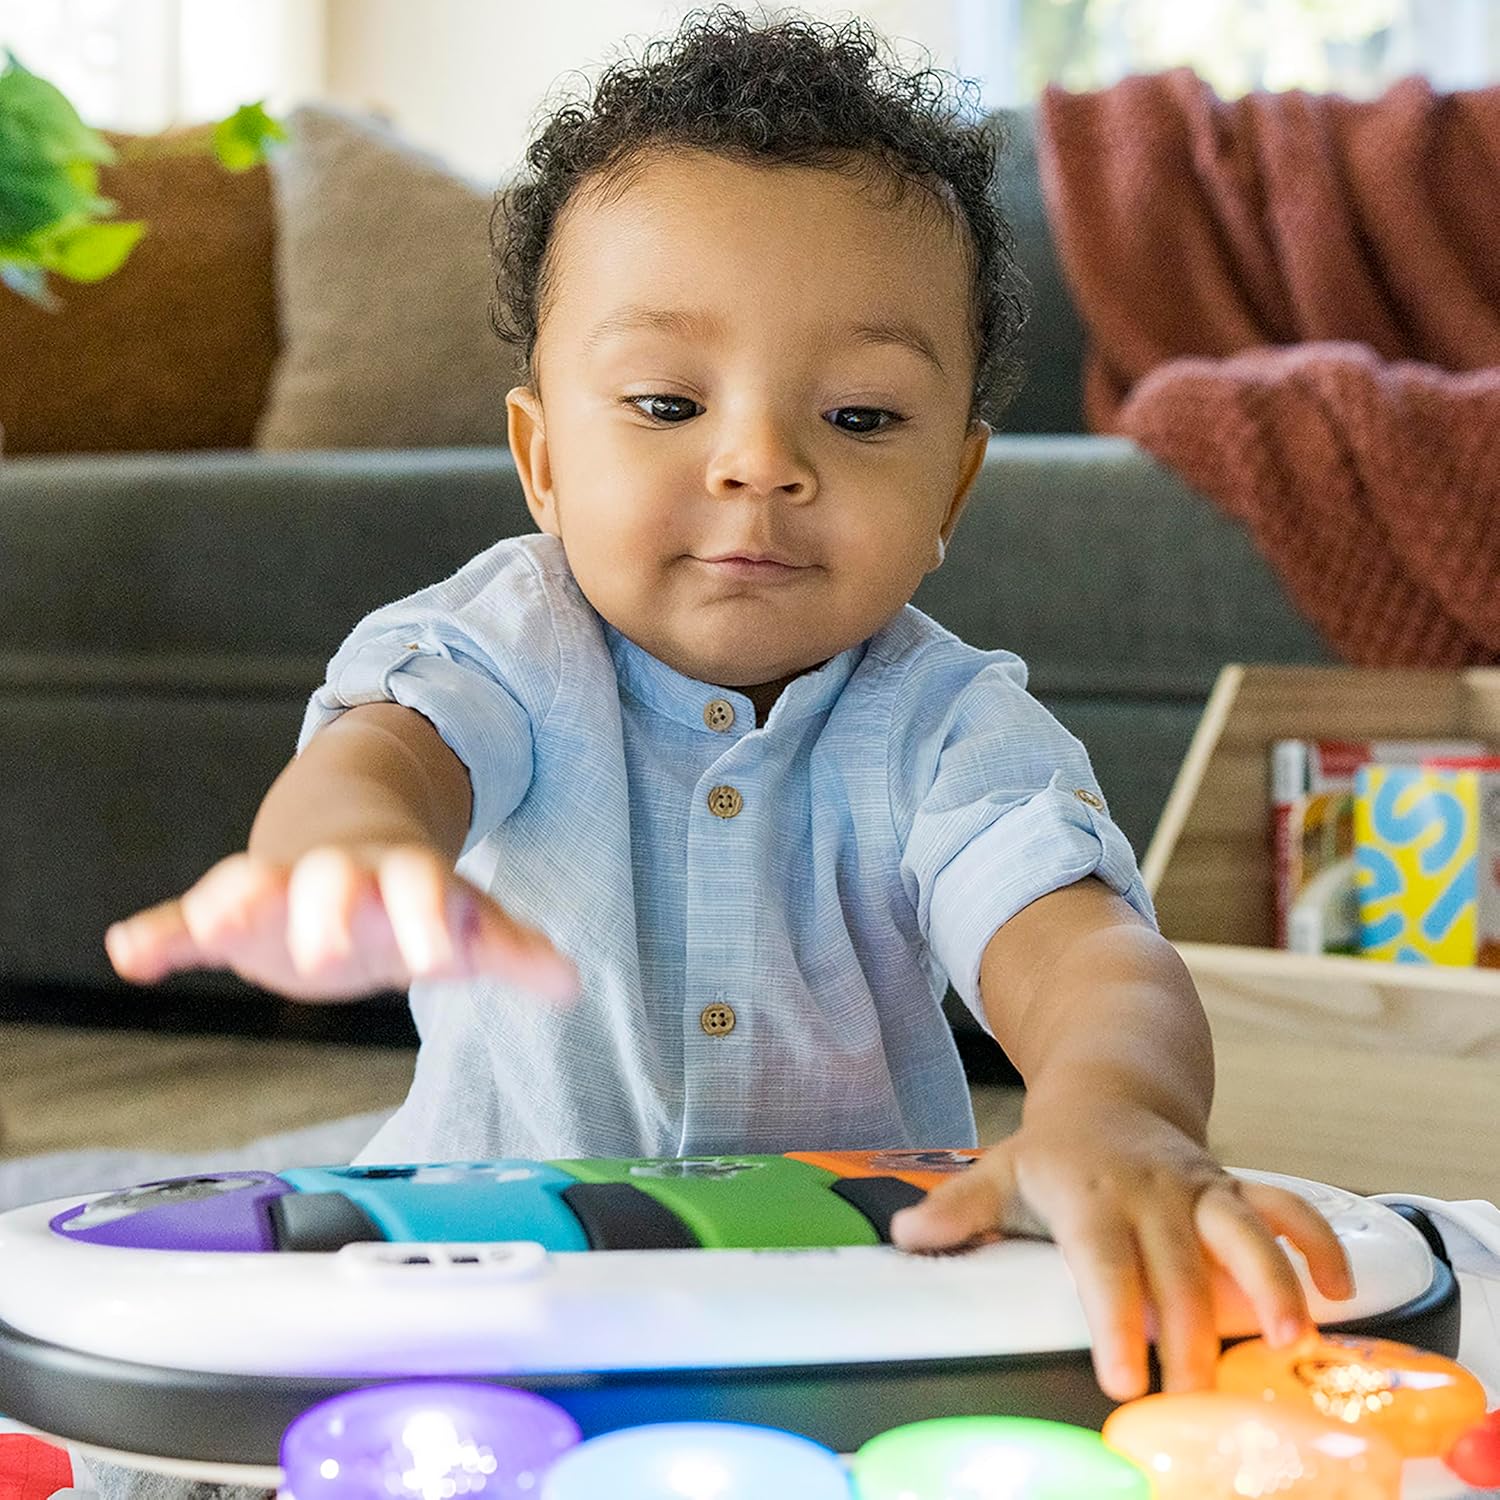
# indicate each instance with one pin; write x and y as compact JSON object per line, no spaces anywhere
{"x":1142,"y":1213}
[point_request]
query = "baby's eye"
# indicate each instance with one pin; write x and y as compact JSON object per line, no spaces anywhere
{"x":863,"y":416}
{"x":861,"y":413}
{"x":658,"y":402}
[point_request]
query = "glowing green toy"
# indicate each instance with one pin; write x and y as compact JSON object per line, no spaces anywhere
{"x":994,"y":1458}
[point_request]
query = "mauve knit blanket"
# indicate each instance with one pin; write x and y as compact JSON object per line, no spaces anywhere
{"x":1293,"y":300}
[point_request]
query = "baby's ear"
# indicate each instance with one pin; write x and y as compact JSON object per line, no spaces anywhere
{"x":971,"y":460}
{"x":526,"y":431}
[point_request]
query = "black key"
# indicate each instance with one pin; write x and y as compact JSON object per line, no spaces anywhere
{"x":320,"y":1221}
{"x":878,"y":1198}
{"x":617,"y":1216}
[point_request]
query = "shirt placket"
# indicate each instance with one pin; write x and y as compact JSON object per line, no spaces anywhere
{"x":717,"y":1022}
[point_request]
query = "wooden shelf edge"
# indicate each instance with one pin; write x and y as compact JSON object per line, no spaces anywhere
{"x":1190,"y":776}
{"x":1327,"y":969}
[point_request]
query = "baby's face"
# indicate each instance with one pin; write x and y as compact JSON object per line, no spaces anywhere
{"x":705,"y":393}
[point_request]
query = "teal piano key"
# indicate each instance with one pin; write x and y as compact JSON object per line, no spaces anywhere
{"x":456,"y":1201}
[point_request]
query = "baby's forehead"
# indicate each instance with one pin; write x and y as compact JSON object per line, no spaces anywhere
{"x":656,"y":188}
{"x":669,"y":232}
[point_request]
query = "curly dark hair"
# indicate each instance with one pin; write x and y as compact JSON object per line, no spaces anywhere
{"x":792,"y":91}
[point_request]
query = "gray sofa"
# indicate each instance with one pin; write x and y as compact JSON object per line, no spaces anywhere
{"x":163,"y":618}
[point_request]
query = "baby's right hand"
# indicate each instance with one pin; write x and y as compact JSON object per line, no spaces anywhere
{"x":340,"y":923}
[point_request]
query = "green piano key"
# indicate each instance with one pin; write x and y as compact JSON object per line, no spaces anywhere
{"x":740,"y":1202}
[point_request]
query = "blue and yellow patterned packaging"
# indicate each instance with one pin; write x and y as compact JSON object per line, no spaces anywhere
{"x":1426,"y":861}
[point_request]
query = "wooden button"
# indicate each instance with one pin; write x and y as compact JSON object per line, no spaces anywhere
{"x":1090,"y":799}
{"x":718,"y":714}
{"x":725,"y":802}
{"x":717,"y":1020}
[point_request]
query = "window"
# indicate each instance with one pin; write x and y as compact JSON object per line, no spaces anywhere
{"x":142,"y":65}
{"x":1354,"y":47}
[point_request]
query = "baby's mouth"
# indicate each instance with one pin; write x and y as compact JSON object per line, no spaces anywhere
{"x":761,"y":569}
{"x":757,"y":553}
{"x":756,"y":560}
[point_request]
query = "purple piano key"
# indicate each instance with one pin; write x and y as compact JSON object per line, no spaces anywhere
{"x":214,"y":1211}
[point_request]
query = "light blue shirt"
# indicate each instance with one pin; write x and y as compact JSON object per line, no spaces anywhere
{"x":897,"y":806}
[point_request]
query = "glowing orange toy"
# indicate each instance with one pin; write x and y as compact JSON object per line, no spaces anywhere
{"x":1208,"y":1445}
{"x":1420,"y":1402}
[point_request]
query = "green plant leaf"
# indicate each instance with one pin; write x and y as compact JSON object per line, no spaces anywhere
{"x":89,"y":251}
{"x":84,"y":175}
{"x":48,"y":157}
{"x":35,"y":194}
{"x":240,"y":142}
{"x":37,"y":115}
{"x":52,"y":215}
{"x":31,"y":202}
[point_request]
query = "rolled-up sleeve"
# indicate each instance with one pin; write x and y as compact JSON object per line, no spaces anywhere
{"x":1003,"y":808}
{"x":432,"y":667}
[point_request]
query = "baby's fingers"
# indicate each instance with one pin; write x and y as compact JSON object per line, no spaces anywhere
{"x":1236,"y":1232}
{"x":325,"y":888}
{"x":152,"y":943}
{"x":187,"y":932}
{"x":966,"y":1208}
{"x":1288,"y":1214}
{"x":496,"y":943}
{"x":414,"y":892}
{"x":1105,"y":1262}
{"x":444,"y":928}
{"x":1180,"y":1278}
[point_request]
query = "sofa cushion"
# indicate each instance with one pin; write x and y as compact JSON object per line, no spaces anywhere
{"x":384,"y":284}
{"x":1052,"y":342}
{"x":175,"y":349}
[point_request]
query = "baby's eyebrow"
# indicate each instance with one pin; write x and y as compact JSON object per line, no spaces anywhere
{"x":686,"y":323}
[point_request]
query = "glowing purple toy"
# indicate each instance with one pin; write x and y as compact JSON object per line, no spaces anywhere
{"x":425,"y":1440}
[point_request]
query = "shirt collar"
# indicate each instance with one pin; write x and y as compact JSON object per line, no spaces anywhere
{"x":684,"y":699}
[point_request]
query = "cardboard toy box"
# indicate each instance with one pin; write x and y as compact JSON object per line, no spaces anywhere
{"x":1427,"y":851}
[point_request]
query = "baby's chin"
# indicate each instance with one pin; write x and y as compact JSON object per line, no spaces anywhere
{"x":742,"y":678}
{"x":744,"y":670}
{"x":727,"y":652}
{"x":730,"y":652}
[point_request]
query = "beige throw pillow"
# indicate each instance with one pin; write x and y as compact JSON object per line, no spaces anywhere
{"x":383,"y":287}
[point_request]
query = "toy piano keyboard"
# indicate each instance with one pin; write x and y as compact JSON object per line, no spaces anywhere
{"x":194,"y":1318}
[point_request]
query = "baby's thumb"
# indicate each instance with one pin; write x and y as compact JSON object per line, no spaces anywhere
{"x":536,"y":963}
{"x":971,"y":1206}
{"x":151,"y":944}
{"x":495,"y":942}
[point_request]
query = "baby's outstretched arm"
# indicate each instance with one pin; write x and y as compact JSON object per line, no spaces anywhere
{"x":1100,"y":1016}
{"x":348,"y":885}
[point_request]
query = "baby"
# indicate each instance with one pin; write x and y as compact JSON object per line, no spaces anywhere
{"x":676,"y":817}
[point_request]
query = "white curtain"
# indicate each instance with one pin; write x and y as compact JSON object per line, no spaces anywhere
{"x":1354,"y":47}
{"x":142,"y":65}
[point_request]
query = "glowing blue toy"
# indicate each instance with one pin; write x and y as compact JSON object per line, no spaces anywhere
{"x":698,"y":1461}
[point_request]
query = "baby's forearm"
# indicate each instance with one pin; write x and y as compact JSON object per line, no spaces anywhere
{"x":378,"y":774}
{"x":1093,"y":1005}
{"x":1130,"y":1027}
